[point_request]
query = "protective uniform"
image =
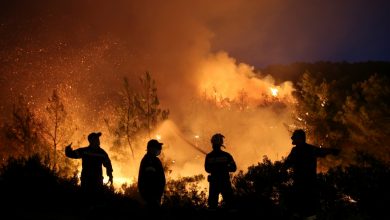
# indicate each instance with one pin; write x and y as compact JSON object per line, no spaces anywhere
{"x":151,"y":177}
{"x":303,"y":161}
{"x":219,"y":163}
{"x":93,"y":158}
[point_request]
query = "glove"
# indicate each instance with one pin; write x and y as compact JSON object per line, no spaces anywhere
{"x":111,"y":180}
{"x":68,"y":148}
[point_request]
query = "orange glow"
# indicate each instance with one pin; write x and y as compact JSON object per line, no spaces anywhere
{"x":223,"y":80}
{"x":249,"y":134}
{"x":120,"y":180}
{"x":219,"y":81}
{"x":274,"y":92}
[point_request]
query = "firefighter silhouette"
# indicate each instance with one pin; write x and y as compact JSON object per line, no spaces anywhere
{"x":219,"y":164}
{"x":303,"y":161}
{"x":93,"y":158}
{"x":151,"y":176}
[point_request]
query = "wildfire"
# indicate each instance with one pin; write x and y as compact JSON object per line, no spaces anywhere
{"x":119,"y":181}
{"x":224,"y":81}
{"x":274,"y":92}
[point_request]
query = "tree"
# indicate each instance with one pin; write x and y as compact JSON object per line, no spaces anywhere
{"x":137,"y":112}
{"x":58,"y":128}
{"x":147,"y":105}
{"x":366,"y":114}
{"x":126,"y":126}
{"x":317,"y":105}
{"x":24,"y":131}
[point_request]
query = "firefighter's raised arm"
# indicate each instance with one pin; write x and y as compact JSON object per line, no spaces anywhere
{"x":69,"y":152}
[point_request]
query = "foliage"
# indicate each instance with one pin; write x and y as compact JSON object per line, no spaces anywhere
{"x":353,"y":192}
{"x":28,"y":184}
{"x":147,"y":105}
{"x":261,"y":188}
{"x":24,"y":131}
{"x":137,"y":113}
{"x":23,"y":180}
{"x":357,"y":191}
{"x":58,"y":127}
{"x":185,"y":193}
{"x":317,"y":105}
{"x":355,"y":119}
{"x":351,"y":119}
{"x":366,"y":116}
{"x":126,"y":126}
{"x":362,"y":188}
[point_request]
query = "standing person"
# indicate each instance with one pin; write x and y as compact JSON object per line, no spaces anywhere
{"x":93,"y":157}
{"x":219,"y":164}
{"x":303,"y":161}
{"x":151,"y":176}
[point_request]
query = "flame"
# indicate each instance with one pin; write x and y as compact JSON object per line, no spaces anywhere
{"x":274,"y":91}
{"x":224,"y":80}
{"x":120,"y":180}
{"x":219,"y":77}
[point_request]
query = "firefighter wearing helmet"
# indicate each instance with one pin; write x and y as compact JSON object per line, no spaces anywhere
{"x":151,"y":176}
{"x":219,"y":164}
{"x":93,"y":158}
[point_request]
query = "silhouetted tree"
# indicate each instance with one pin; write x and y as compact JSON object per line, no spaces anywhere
{"x":126,"y":126}
{"x":58,"y":128}
{"x":137,"y":112}
{"x":366,"y":115}
{"x":261,"y":187}
{"x":147,"y":103}
{"x":185,"y":192}
{"x":318,"y":103}
{"x":24,"y":131}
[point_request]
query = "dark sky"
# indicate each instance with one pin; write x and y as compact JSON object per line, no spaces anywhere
{"x":306,"y":30}
{"x":255,"y":32}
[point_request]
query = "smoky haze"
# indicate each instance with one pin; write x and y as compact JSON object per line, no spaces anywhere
{"x":85,"y":48}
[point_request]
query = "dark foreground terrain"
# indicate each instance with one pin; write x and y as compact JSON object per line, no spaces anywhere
{"x":31,"y":190}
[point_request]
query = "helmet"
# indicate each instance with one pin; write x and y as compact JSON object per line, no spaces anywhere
{"x":93,"y":136}
{"x":153,"y":143}
{"x":300,"y":134}
{"x":217,"y":139}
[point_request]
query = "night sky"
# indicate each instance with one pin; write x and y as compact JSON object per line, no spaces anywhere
{"x":255,"y":32}
{"x":306,"y":30}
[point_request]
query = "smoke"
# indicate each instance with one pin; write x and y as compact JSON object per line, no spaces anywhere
{"x":85,"y":48}
{"x":220,"y":75}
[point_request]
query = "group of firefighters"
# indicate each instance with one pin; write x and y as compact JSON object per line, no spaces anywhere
{"x":218,"y":164}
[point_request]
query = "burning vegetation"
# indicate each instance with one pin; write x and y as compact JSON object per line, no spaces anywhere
{"x":138,"y":116}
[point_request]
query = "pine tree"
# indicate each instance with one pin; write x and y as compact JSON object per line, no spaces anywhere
{"x":126,"y":126}
{"x":318,"y":103}
{"x":24,"y":131}
{"x":366,"y":114}
{"x":147,"y":105}
{"x":136,"y":113}
{"x":59,"y":128}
